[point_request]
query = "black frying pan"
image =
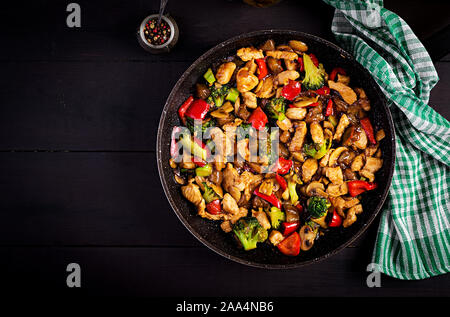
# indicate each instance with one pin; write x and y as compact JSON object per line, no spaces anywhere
{"x":209,"y":232}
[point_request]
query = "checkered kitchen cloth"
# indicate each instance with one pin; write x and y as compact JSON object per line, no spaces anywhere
{"x":414,"y":235}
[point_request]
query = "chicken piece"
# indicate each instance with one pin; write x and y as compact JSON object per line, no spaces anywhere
{"x":242,"y":212}
{"x":285,"y":136}
{"x":225,"y":72}
{"x":341,"y":203}
{"x":245,"y":80}
{"x":231,"y":179}
{"x":262,"y":218}
{"x":249,"y":182}
{"x":372,"y":165}
{"x":371,"y":150}
{"x":342,"y":125}
{"x":345,"y":91}
{"x":324,"y":161}
{"x":296,"y":113}
{"x":243,"y":150}
{"x":309,"y":168}
{"x":282,"y":55}
{"x":192,"y":193}
{"x":229,"y":204}
{"x":275,"y":237}
{"x":284,"y":77}
{"x":343,"y":79}
{"x":335,"y":190}
{"x":380,"y":135}
{"x":360,"y":92}
{"x":226,"y":226}
{"x":361,"y":140}
{"x":350,"y":218}
{"x":334,"y":174}
{"x":266,"y":187}
{"x":298,"y":139}
{"x":251,"y":66}
{"x":358,"y":163}
{"x":249,"y":100}
{"x":284,"y":124}
{"x":265,"y":88}
{"x":268,"y":45}
{"x":316,"y":133}
{"x":249,"y":53}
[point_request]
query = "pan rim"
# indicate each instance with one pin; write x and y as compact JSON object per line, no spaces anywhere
{"x":160,"y":145}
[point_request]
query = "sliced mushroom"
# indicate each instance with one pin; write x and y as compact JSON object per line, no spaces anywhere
{"x":274,"y":65}
{"x":335,"y":155}
{"x":307,"y":237}
{"x":313,"y":188}
{"x":265,"y":88}
{"x":298,"y":46}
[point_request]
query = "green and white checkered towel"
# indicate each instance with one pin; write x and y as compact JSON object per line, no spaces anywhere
{"x":414,"y":235}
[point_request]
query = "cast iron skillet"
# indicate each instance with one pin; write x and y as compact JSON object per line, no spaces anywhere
{"x":209,"y":232}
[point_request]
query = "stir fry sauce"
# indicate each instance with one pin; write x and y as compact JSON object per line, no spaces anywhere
{"x":326,"y":156}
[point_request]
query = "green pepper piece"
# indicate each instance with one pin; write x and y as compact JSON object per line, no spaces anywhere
{"x":209,"y":76}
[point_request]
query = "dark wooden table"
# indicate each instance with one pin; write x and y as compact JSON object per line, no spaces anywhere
{"x":79,"y":115}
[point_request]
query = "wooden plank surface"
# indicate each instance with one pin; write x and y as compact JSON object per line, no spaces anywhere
{"x":188,"y":272}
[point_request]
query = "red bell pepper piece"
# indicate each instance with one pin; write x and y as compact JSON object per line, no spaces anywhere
{"x":282,"y":166}
{"x":258,"y":119}
{"x":324,"y":91}
{"x":358,"y":187}
{"x":214,"y":207}
{"x":367,"y":126}
{"x":315,"y":104}
{"x":271,"y":199}
{"x":262,"y":68}
{"x":291,"y":90}
{"x":301,"y":64}
{"x":184,"y":107}
{"x":329,"y":110}
{"x":291,"y":245}
{"x":280,"y":179}
{"x":314,"y":60}
{"x":198,"y":109}
{"x":173,"y":143}
{"x":335,"y":71}
{"x":299,"y":207}
{"x":289,"y":227}
{"x":336,"y":221}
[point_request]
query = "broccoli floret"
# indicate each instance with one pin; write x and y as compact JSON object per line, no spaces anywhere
{"x":217,"y":95}
{"x":209,"y":194}
{"x":314,"y":76}
{"x":318,"y":206}
{"x":276,"y":217}
{"x":317,"y":151}
{"x":276,"y":108}
{"x":207,"y":123}
{"x":249,"y":232}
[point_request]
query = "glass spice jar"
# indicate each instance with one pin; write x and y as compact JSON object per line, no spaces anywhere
{"x":156,"y":38}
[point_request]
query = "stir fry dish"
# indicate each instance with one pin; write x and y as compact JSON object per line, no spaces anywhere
{"x":326,"y":156}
